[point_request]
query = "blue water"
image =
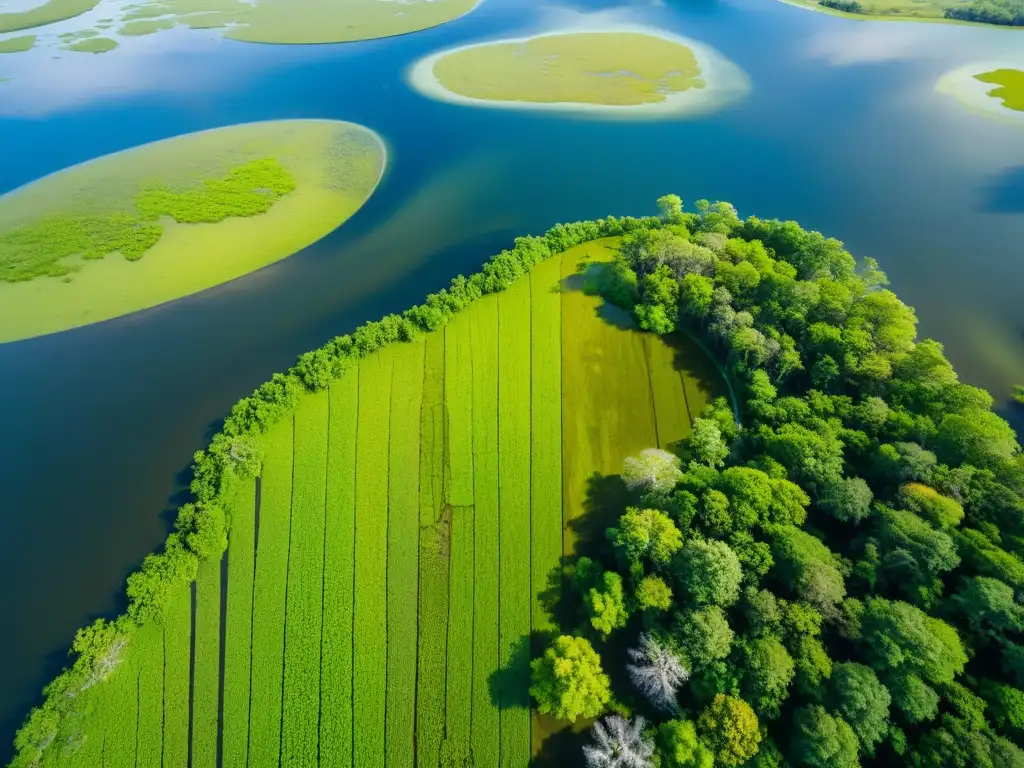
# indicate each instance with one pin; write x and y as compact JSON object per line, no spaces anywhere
{"x":842,"y":131}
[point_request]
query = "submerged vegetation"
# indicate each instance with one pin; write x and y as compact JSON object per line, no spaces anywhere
{"x":158,"y":222}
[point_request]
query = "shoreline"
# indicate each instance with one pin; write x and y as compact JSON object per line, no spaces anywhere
{"x":724,"y":81}
{"x":972,"y":94}
{"x":813,"y":6}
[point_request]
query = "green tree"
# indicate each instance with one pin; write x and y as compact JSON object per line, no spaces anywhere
{"x":811,"y":567}
{"x":645,"y":533}
{"x":568,"y":682}
{"x":730,"y":727}
{"x":681,"y":747}
{"x":653,"y":471}
{"x":989,"y":608}
{"x":899,"y":637}
{"x":709,"y":572}
{"x":917,"y":700}
{"x":847,"y":499}
{"x":607,"y":606}
{"x":977,"y":437}
{"x":653,"y":594}
{"x":856,"y":693}
{"x":707,"y":444}
{"x":695,"y":295}
{"x":822,"y":740}
{"x":767,"y":674}
{"x":703,"y":636}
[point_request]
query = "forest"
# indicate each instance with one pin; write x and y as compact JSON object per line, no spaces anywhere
{"x":1003,"y":12}
{"x":835,"y":581}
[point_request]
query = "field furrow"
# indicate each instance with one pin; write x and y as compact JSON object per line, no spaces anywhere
{"x":456,"y":749}
{"x":339,"y":551}
{"x":300,"y":732}
{"x":206,"y":691}
{"x":484,"y":337}
{"x":434,"y":536}
{"x":514,"y":529}
{"x":545,"y":441}
{"x":177,"y":626}
{"x":269,"y":596}
{"x":238,"y":633}
{"x":458,"y":399}
{"x":403,"y":553}
{"x":369,"y":635}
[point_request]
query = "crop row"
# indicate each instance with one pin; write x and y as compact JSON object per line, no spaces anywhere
{"x":484,"y":318}
{"x":149,"y":645}
{"x":269,"y":596}
{"x":458,"y":401}
{"x":304,"y":606}
{"x":545,"y":436}
{"x":515,"y":598}
{"x":238,"y":632}
{"x":457,"y":747}
{"x":435,"y":541}
{"x":671,"y":418}
{"x":339,"y":565}
{"x":403,"y":554}
{"x":369,"y":634}
{"x":206,"y":666}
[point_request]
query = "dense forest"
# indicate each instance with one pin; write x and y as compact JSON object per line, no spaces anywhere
{"x":835,"y":581}
{"x":1004,"y":12}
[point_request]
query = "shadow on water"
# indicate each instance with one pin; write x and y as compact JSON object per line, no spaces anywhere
{"x":1005,"y":193}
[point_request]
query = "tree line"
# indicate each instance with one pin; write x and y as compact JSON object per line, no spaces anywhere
{"x":835,"y":583}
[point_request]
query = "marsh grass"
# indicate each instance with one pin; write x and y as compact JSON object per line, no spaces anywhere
{"x":93,"y":45}
{"x":48,"y":13}
{"x":17,"y":44}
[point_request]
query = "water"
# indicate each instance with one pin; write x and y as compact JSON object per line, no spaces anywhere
{"x":842,"y":132}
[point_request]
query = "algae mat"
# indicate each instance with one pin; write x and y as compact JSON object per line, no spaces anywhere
{"x":625,"y":71}
{"x":168,"y":219}
{"x":994,"y":89}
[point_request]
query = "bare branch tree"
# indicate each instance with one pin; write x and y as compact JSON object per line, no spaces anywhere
{"x":620,"y":743}
{"x":657,"y":673}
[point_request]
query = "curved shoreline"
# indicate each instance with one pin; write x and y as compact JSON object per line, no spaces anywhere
{"x":972,"y":94}
{"x":812,"y":6}
{"x":725,"y":82}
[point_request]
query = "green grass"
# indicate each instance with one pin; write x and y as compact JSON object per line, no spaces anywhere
{"x":338,"y":582}
{"x":151,"y":697}
{"x":47,"y":13}
{"x":514,"y":594}
{"x":483,"y":317}
{"x":93,"y":45}
{"x":269,"y":597}
{"x":17,"y":44}
{"x":206,"y":696}
{"x":435,"y":541}
{"x":369,"y":634}
{"x":545,"y":434}
{"x":185,"y":214}
{"x":177,"y":625}
{"x":403,"y":554}
{"x":1011,"y":87}
{"x":238,"y":631}
{"x":457,"y":745}
{"x":300,"y":732}
{"x":458,"y":398}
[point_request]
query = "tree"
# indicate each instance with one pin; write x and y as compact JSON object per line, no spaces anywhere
{"x":657,"y":672}
{"x":653,"y":594}
{"x":767,"y":675}
{"x":709,"y":572}
{"x":670,"y":208}
{"x":607,"y":606}
{"x":941,"y":511}
{"x":707,"y":444}
{"x":681,"y":747}
{"x":730,"y":728}
{"x":203,"y":529}
{"x":811,"y":567}
{"x":917,"y":700}
{"x":989,"y":607}
{"x":703,"y":636}
{"x":899,"y":637}
{"x":696,"y":293}
{"x":847,"y":499}
{"x":856,"y":693}
{"x":645,"y":533}
{"x":619,"y":743}
{"x":653,"y":470}
{"x":822,"y":740}
{"x":977,"y":437}
{"x":568,"y":682}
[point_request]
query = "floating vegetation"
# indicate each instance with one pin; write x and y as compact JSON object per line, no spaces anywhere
{"x":1011,"y":87}
{"x":93,"y":45}
{"x":48,"y":13}
{"x":972,"y":85}
{"x":17,"y":44}
{"x":623,"y":71}
{"x":145,"y":226}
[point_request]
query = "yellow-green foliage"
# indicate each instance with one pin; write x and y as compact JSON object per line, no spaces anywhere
{"x":1011,"y":87}
{"x":610,"y":68}
{"x":47,"y":13}
{"x":203,"y":209}
{"x":206,"y":689}
{"x":145,"y":27}
{"x":17,"y":44}
{"x":93,"y":45}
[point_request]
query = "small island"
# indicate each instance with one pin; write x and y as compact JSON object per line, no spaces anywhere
{"x":628,"y":72}
{"x":682,"y":491}
{"x":993,"y":89}
{"x":148,"y":225}
{"x":1007,"y":13}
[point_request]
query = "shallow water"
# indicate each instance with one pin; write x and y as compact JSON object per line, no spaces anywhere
{"x":842,"y":131}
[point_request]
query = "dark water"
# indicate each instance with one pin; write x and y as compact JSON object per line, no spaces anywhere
{"x":842,"y":131}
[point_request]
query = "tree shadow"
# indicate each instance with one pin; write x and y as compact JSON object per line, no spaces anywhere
{"x":557,"y":743}
{"x":509,"y":685}
{"x":607,"y":498}
{"x":584,"y":282}
{"x":1005,"y":193}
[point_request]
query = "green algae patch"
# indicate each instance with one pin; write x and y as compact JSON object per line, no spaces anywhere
{"x":145,"y":27}
{"x":607,"y":70}
{"x":53,"y":11}
{"x":17,"y":44}
{"x":93,"y":45}
{"x":1011,"y":87}
{"x":145,"y":226}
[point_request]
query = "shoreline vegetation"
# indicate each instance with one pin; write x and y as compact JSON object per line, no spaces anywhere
{"x":625,"y":71}
{"x":1008,"y":14}
{"x":155,"y":223}
{"x":994,"y":89}
{"x":826,"y":583}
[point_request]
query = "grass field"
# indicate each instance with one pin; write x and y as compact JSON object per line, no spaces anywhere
{"x":388,"y":570}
